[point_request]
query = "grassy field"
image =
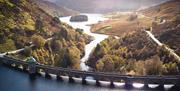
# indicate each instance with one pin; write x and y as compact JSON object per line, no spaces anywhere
{"x":120,"y":24}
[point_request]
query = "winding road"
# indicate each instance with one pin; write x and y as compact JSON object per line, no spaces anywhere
{"x":171,"y":51}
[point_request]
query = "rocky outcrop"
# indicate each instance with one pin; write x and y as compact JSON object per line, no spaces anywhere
{"x":79,"y":18}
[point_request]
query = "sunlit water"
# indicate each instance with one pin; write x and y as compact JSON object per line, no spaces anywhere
{"x":92,"y":19}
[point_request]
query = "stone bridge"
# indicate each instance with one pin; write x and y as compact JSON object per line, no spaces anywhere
{"x":112,"y":77}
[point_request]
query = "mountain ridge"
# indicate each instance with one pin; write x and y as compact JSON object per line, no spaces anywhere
{"x":54,"y":9}
{"x":104,"y":6}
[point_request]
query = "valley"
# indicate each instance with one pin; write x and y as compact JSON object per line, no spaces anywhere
{"x":90,"y":42}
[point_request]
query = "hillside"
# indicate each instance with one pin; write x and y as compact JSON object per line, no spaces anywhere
{"x":132,"y":54}
{"x":165,"y":10}
{"x":167,"y":32}
{"x":54,"y":9}
{"x":23,"y":22}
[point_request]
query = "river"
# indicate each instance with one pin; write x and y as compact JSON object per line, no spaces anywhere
{"x":15,"y":80}
{"x":92,"y":19}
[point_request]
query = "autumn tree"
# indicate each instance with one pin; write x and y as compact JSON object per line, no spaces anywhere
{"x":153,"y":66}
{"x":38,"y":41}
{"x":27,"y":51}
{"x":105,"y":64}
{"x":74,"y":56}
{"x":70,"y":58}
{"x":170,"y":69}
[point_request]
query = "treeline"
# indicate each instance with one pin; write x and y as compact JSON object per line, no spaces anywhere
{"x":133,"y":54}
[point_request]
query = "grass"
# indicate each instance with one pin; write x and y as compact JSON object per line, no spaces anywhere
{"x":104,"y":28}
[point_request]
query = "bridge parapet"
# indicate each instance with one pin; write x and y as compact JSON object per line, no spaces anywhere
{"x":128,"y":79}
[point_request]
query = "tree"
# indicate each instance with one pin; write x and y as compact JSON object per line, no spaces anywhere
{"x":171,"y":69}
{"x":27,"y":51}
{"x":38,"y":41}
{"x":74,"y":56}
{"x":39,"y":25}
{"x":65,"y":61}
{"x":2,"y":37}
{"x":100,"y":65}
{"x":56,"y":20}
{"x":80,"y":31}
{"x":100,"y":51}
{"x":70,"y":58}
{"x":139,"y":68}
{"x":106,"y":65}
{"x":153,"y":66}
{"x":56,"y":45}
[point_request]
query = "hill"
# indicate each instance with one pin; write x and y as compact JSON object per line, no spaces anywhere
{"x":165,"y":10}
{"x":133,"y":53}
{"x":168,"y":32}
{"x":54,"y":9}
{"x":23,"y":22}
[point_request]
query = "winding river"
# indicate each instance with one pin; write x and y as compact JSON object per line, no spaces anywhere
{"x":92,"y":19}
